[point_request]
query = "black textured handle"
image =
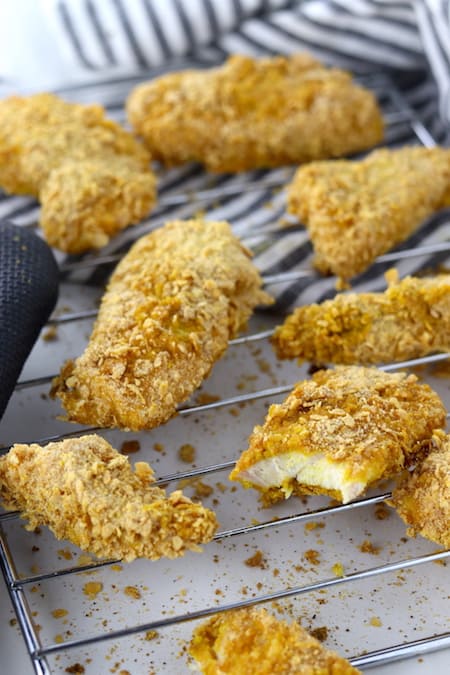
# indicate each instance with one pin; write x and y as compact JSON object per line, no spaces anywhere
{"x":28,"y":293}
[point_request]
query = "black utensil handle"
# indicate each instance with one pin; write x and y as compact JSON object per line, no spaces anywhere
{"x":28,"y":293}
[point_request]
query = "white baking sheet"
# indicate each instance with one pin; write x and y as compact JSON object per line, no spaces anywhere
{"x":360,"y":616}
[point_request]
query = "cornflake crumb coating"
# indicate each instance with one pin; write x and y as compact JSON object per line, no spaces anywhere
{"x":409,"y":320}
{"x":251,"y":641}
{"x":368,"y":423}
{"x":252,"y":113}
{"x":422,"y":498}
{"x":86,"y":492}
{"x":92,"y":177}
{"x":171,"y":306}
{"x":357,"y":210}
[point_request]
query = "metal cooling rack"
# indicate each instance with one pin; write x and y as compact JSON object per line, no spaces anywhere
{"x":381,"y":596}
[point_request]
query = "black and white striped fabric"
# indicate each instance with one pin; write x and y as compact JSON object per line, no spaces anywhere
{"x":97,"y":50}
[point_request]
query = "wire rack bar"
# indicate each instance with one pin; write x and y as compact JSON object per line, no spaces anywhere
{"x":17,"y":586}
{"x":269,"y":597}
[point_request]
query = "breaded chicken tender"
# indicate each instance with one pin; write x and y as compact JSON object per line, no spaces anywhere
{"x":86,"y":492}
{"x":251,"y":641}
{"x":409,"y":320}
{"x":170,"y":308}
{"x":422,"y":498}
{"x":339,"y":433}
{"x":252,"y":113}
{"x":91,"y":176}
{"x":357,"y":210}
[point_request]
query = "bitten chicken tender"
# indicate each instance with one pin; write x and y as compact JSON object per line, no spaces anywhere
{"x":422,"y":498}
{"x":409,"y":320}
{"x":253,"y":113}
{"x":170,"y":308}
{"x":357,"y":210}
{"x":253,"y":642}
{"x":339,"y":432}
{"x":91,"y":176}
{"x":86,"y":492}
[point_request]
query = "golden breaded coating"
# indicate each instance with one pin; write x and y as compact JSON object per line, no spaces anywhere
{"x":410,"y":319}
{"x":422,"y":498}
{"x":169,"y":310}
{"x":252,"y":113}
{"x":339,"y":432}
{"x":251,"y":641}
{"x":86,"y":492}
{"x":357,"y":210}
{"x":91,"y":176}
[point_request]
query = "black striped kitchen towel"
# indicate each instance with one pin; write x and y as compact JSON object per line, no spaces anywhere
{"x":96,"y":50}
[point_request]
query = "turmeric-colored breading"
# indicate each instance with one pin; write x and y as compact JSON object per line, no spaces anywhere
{"x":251,"y":641}
{"x":422,"y":498}
{"x":357,"y":210}
{"x":252,"y":113}
{"x":409,"y":320}
{"x":170,"y":308}
{"x":86,"y":492}
{"x":92,"y":177}
{"x":339,"y":432}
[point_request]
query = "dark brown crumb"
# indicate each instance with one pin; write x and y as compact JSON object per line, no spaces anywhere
{"x":256,"y":560}
{"x":320,"y":633}
{"x":312,"y":556}
{"x":129,"y":447}
{"x":76,"y":668}
{"x":187,"y":453}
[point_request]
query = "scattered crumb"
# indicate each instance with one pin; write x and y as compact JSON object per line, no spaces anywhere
{"x":338,"y":569}
{"x":13,"y":622}
{"x":320,"y":633}
{"x":58,"y":639}
{"x":312,"y":556}
{"x":313,"y":525}
{"x":116,"y":568}
{"x":158,"y":447}
{"x":92,"y":589}
{"x":187,"y":453}
{"x":133,"y":592}
{"x":375,"y":621}
{"x":84,"y":559}
{"x":204,"y":398}
{"x":256,"y":560}
{"x":151,"y":635}
{"x":65,"y":553}
{"x":128,"y":447}
{"x":59,"y":613}
{"x":368,"y":547}
{"x":203,"y":489}
{"x":76,"y":668}
{"x":50,"y":334}
{"x":382,"y":512}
